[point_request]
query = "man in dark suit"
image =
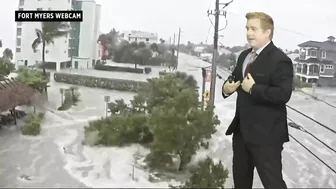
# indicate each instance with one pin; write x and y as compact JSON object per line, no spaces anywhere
{"x":263,"y":79}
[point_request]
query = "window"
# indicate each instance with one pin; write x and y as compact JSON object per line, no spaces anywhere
{"x":147,"y":39}
{"x":322,"y":68}
{"x":18,"y":50}
{"x":18,"y":31}
{"x":21,"y":2}
{"x":18,"y":41}
{"x":329,"y":67}
{"x":324,"y":54}
{"x":312,"y":53}
{"x":39,"y":9}
{"x":47,"y":51}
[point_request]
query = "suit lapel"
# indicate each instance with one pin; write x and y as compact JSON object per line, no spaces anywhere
{"x":261,"y":57}
{"x":240,"y":64}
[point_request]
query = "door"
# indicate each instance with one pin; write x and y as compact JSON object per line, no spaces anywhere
{"x":76,"y":64}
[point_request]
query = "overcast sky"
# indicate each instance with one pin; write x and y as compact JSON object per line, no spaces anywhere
{"x":295,"y":20}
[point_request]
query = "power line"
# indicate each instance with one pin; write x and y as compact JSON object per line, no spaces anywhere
{"x":279,"y":27}
{"x":300,"y":128}
{"x":321,"y":124}
{"x":312,"y":153}
{"x":315,"y":98}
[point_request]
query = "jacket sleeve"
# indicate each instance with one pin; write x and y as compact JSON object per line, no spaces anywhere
{"x":280,"y":90}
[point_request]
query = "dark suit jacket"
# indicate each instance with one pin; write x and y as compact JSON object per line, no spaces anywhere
{"x":261,"y":116}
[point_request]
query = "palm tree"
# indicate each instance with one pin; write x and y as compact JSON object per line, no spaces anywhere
{"x":46,"y":36}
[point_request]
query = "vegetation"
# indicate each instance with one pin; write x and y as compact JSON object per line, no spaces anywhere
{"x":108,"y":41}
{"x":207,"y":174}
{"x":46,"y":36}
{"x":136,"y":53}
{"x":299,"y":84}
{"x":227,"y":60}
{"x":6,"y":67}
{"x":71,"y":97}
{"x":164,"y":116}
{"x":32,"y":124}
{"x":8,"y":54}
{"x":99,"y":82}
{"x":33,"y":78}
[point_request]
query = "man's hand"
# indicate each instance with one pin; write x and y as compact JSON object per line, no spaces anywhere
{"x":248,"y":82}
{"x":230,"y":87}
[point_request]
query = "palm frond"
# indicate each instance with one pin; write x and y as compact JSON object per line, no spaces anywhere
{"x":52,"y":30}
{"x":35,"y":43}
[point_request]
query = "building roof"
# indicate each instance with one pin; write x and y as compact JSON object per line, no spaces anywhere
{"x":326,"y":45}
{"x":142,"y":34}
{"x":314,"y":60}
{"x":14,"y":93}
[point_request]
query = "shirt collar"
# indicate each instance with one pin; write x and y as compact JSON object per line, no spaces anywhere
{"x":260,"y":49}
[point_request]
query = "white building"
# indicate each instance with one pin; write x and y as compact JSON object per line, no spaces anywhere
{"x":84,"y":44}
{"x":140,"y":36}
{"x":58,"y":55}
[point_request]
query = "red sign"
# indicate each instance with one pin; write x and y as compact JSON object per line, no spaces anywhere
{"x":208,"y":76}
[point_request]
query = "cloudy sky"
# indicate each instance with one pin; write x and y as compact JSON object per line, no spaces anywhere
{"x":295,"y":20}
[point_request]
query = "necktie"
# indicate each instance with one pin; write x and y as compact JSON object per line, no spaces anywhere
{"x":251,"y":60}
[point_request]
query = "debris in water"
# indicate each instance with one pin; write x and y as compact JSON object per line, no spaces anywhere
{"x":26,"y":177}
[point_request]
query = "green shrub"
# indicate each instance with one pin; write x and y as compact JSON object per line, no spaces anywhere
{"x":299,"y":84}
{"x":206,"y":174}
{"x":164,"y":73}
{"x":99,"y":82}
{"x":118,"y":69}
{"x":119,"y":130}
{"x":32,"y":124}
{"x":148,"y":70}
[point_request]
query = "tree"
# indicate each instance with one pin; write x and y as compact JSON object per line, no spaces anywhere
{"x":6,"y":66}
{"x":154,"y":47}
{"x":142,"y":44}
{"x":104,"y":42}
{"x":33,"y":78}
{"x":174,"y":117}
{"x":8,"y":54}
{"x":46,"y":36}
{"x":162,"y":47}
{"x":109,"y":43}
{"x":143,"y":55}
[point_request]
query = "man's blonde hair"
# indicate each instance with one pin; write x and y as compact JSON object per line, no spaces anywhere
{"x":266,"y":21}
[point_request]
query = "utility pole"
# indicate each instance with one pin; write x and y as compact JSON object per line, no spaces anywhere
{"x":217,"y":13}
{"x":178,"y":46}
{"x":174,"y":39}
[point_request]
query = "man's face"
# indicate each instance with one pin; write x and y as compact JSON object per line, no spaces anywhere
{"x":256,"y":36}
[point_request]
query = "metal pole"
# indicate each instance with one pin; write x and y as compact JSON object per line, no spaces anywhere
{"x":178,"y":46}
{"x":106,"y":108}
{"x":214,"y":57}
{"x":203,"y":86}
{"x":107,"y":100}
